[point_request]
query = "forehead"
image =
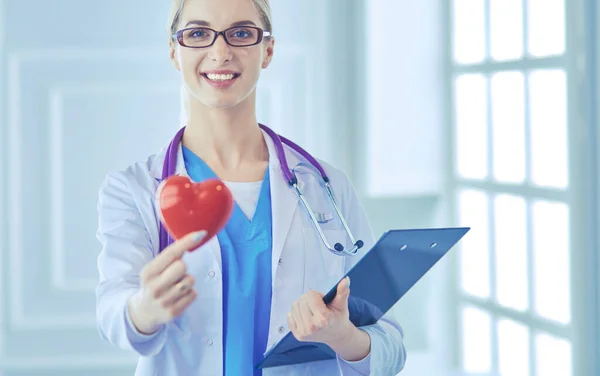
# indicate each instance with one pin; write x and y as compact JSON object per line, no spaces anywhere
{"x":219,"y":13}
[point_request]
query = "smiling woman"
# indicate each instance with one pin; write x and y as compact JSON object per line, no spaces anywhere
{"x":198,"y":35}
{"x":216,"y":310}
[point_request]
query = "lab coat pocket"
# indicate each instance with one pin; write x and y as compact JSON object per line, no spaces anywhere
{"x":322,"y":268}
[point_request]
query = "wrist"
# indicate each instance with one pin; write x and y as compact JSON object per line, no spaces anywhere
{"x":344,"y":337}
{"x":141,"y":322}
{"x":353,"y":344}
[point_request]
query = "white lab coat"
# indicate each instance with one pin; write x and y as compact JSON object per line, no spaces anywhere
{"x":192,"y":344}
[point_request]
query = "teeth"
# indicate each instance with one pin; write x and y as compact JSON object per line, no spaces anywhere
{"x":219,"y":77}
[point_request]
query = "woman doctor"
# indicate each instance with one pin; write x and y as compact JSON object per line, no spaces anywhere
{"x":215,"y":310}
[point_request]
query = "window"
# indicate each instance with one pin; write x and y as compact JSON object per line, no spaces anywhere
{"x":511,"y":186}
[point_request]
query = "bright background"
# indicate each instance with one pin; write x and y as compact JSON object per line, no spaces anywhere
{"x":442,"y":112}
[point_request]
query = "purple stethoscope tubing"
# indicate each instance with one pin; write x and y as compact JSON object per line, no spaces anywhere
{"x":170,"y":165}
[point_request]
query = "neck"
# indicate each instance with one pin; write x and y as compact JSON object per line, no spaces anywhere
{"x":227,"y":139}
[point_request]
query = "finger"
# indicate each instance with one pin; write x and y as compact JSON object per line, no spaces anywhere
{"x":307,"y":316}
{"x":343,"y":285}
{"x":291,"y":322}
{"x":170,"y":303}
{"x":182,"y":304}
{"x":171,"y":253}
{"x":177,"y":291}
{"x":297,"y":314}
{"x":318,"y":308}
{"x":340,"y":302}
{"x":343,"y":289}
{"x":170,"y":276}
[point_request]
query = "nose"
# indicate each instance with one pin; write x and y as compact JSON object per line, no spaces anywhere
{"x":220,"y":51}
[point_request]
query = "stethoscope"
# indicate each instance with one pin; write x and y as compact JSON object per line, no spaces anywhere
{"x":170,"y":165}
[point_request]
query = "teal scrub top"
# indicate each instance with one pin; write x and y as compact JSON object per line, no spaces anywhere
{"x":246,"y":258}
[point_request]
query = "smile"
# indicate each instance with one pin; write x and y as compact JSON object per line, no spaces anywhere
{"x":220,"y":77}
{"x":220,"y":80}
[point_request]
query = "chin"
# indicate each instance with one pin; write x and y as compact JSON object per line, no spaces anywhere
{"x":221,"y":104}
{"x":221,"y":97}
{"x":221,"y":100}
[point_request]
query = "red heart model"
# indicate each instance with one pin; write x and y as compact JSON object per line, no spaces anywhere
{"x":187,"y":207}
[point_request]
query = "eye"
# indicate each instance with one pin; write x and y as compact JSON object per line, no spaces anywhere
{"x":241,"y":33}
{"x":198,"y":33}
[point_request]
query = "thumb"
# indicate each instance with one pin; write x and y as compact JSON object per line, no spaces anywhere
{"x":340,"y":301}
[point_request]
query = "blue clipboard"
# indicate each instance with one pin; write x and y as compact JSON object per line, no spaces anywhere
{"x":398,"y":260}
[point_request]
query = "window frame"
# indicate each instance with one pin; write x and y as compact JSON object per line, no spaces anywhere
{"x":581,"y":196}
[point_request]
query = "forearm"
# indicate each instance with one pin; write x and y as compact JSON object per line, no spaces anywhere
{"x":353,"y":346}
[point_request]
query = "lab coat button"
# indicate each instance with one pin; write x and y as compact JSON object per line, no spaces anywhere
{"x":281,"y":329}
{"x":209,"y":342}
{"x":280,"y":261}
{"x":211,"y":273}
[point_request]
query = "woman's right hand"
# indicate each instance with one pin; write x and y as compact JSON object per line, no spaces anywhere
{"x":166,"y":288}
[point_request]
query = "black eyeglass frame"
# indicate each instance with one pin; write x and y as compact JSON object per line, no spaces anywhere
{"x":178,"y":36}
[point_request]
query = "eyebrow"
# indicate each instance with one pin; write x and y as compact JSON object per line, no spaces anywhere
{"x":205,"y":23}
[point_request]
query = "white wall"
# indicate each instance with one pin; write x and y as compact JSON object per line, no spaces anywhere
{"x":405,"y":126}
{"x":404,"y":97}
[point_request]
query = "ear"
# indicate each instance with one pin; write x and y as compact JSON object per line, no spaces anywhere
{"x":269,"y":52}
{"x":173,"y":54}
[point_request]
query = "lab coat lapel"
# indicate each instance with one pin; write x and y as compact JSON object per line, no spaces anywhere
{"x":284,"y":201}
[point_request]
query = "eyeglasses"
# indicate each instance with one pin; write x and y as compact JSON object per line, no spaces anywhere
{"x":237,"y":36}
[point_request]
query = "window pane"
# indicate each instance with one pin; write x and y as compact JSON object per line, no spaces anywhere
{"x":511,"y":251}
{"x":474,"y":249}
{"x":476,"y":341}
{"x":401,"y":129}
{"x":508,"y":124}
{"x":548,"y":101}
{"x":469,"y":31}
{"x":506,"y":29}
{"x":554,"y":356}
{"x":513,"y":348}
{"x":546,"y":27}
{"x":471,"y":126}
{"x":551,"y":261}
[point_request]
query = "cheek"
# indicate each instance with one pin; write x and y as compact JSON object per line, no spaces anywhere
{"x":253,"y":63}
{"x":189,"y":61}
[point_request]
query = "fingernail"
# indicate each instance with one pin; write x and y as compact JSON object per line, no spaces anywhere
{"x":197,"y":236}
{"x":348,"y":282}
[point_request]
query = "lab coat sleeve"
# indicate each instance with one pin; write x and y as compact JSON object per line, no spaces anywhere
{"x":388,"y":353}
{"x":359,"y":367}
{"x":126,"y":249}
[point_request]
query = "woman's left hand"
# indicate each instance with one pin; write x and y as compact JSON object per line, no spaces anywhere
{"x":311,"y":320}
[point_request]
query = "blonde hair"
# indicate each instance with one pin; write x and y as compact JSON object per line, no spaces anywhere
{"x":262,"y":6}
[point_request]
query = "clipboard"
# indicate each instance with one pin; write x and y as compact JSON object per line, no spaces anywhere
{"x":398,"y":260}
